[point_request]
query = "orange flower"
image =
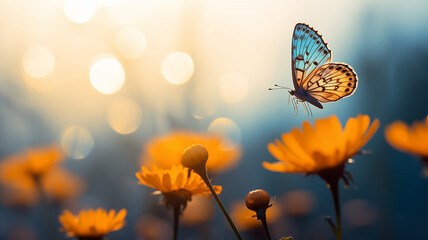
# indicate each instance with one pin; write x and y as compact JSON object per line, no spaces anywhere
{"x":412,"y":139}
{"x":166,"y":151}
{"x":174,"y":179}
{"x":92,"y":223}
{"x":19,"y":188}
{"x":21,"y":174}
{"x":35,"y":161}
{"x":324,"y":146}
{"x":200,"y":210}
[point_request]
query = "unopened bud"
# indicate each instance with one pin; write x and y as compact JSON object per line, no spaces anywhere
{"x":195,"y":158}
{"x":257,"y":199}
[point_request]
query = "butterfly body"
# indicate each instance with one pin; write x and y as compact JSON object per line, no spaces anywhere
{"x":303,"y":96}
{"x":316,"y":79}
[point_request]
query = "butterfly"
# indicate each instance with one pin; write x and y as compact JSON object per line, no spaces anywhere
{"x":316,"y":79}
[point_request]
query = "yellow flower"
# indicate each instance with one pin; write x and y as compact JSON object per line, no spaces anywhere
{"x":199,"y":211}
{"x":92,"y":223}
{"x":18,"y":187}
{"x":35,"y":161}
{"x":412,"y":139}
{"x":20,"y":194}
{"x":174,"y":179}
{"x":324,"y":146}
{"x":166,"y":151}
{"x":22,"y":173}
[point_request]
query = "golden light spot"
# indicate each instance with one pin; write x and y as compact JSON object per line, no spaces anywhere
{"x":226,"y":128}
{"x":233,"y":87}
{"x":359,"y":212}
{"x":106,"y":3}
{"x":107,"y":75}
{"x":131,"y":43}
{"x":38,"y":62}
{"x":76,"y":142}
{"x":202,"y":109}
{"x":124,"y":116}
{"x":80,"y":11}
{"x":177,"y":68}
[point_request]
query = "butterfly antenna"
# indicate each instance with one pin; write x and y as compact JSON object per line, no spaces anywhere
{"x":279,"y":87}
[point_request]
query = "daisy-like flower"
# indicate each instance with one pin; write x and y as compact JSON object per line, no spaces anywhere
{"x":35,"y":171}
{"x":177,"y":184}
{"x":34,"y":162}
{"x":167,"y":150}
{"x":92,"y":224}
{"x":323,"y":150}
{"x":411,"y":139}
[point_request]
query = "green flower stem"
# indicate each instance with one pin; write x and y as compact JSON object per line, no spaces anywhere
{"x":223,"y":209}
{"x":176,"y":210}
{"x":49,"y":225}
{"x":266,"y":228}
{"x":334,"y":188}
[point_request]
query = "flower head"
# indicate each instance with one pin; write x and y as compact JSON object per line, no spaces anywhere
{"x":195,"y":158}
{"x":322,"y":147}
{"x":258,"y":201}
{"x":166,"y":151}
{"x":177,"y":184}
{"x":34,"y":162}
{"x":21,"y":173}
{"x":92,"y":223}
{"x":412,"y":139}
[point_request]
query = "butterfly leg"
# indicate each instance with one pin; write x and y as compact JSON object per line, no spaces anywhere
{"x":309,"y":106}
{"x":306,"y":109}
{"x":296,"y":102}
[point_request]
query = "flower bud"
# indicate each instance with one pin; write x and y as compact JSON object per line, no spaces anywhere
{"x":257,"y":199}
{"x":195,"y":157}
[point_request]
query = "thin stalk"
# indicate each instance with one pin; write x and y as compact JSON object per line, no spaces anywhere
{"x":49,"y":225}
{"x":176,"y":210}
{"x":220,"y":204}
{"x":266,"y":228}
{"x":334,"y":188}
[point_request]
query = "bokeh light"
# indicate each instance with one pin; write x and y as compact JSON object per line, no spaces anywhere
{"x":359,"y":212}
{"x":106,"y":3}
{"x":80,"y":11}
{"x":124,"y":116}
{"x":177,"y":68}
{"x":198,"y":211}
{"x":38,"y":61}
{"x":77,"y":142}
{"x":233,"y":87}
{"x":202,"y":109}
{"x":298,"y":202}
{"x":107,"y":75}
{"x":227,"y":128}
{"x":131,"y":43}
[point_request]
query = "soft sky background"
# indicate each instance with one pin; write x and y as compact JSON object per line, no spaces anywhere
{"x":233,"y":52}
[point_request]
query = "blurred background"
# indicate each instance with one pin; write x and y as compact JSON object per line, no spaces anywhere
{"x":101,"y":78}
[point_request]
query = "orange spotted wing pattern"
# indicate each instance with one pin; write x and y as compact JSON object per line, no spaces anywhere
{"x":315,"y":78}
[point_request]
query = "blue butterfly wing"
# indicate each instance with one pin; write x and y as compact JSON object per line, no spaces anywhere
{"x":309,"y":53}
